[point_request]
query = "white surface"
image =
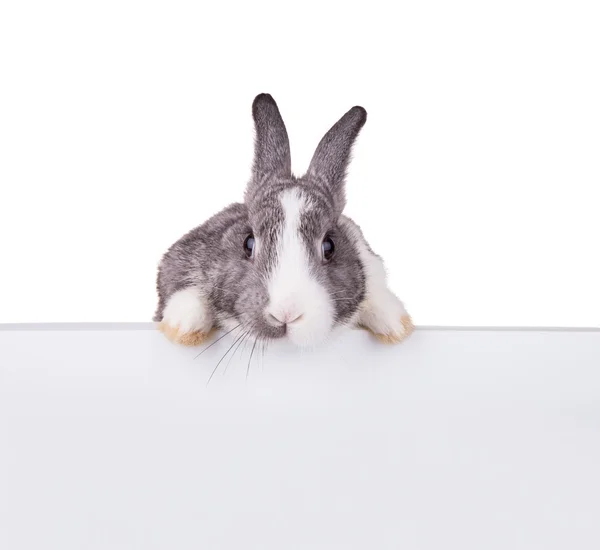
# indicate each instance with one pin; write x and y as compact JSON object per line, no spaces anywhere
{"x":455,"y":439}
{"x":125,"y":123}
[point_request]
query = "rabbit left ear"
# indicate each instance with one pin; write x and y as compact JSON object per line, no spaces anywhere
{"x":271,"y":147}
{"x":332,"y":155}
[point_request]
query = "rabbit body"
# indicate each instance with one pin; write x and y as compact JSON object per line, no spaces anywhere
{"x":286,"y":262}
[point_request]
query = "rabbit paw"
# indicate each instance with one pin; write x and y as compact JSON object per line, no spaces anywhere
{"x":403,"y":328}
{"x":186,"y":319}
{"x":387,"y":319}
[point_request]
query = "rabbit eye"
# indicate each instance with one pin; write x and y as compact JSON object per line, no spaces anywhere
{"x":249,"y":246}
{"x":328,"y":248}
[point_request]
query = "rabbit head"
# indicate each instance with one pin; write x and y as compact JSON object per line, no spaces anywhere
{"x":302,"y":270}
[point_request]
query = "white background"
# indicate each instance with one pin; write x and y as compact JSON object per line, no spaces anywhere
{"x":125,"y":123}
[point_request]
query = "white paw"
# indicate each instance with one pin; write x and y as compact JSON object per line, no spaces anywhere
{"x":186,"y":319}
{"x":386,"y":318}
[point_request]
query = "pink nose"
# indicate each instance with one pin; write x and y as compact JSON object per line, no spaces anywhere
{"x":285,"y":317}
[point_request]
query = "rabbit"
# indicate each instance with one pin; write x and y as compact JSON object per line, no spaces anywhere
{"x":286,"y":262}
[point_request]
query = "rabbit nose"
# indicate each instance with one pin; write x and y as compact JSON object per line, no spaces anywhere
{"x":280,"y":318}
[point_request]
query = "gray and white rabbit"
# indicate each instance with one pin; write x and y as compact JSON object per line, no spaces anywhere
{"x":286,"y":262}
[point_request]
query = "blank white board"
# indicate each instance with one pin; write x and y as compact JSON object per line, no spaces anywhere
{"x":467,"y":439}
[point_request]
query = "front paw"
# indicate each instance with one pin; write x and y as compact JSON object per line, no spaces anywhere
{"x":387,"y":319}
{"x":177,"y":336}
{"x":186,"y":319}
{"x":397,"y":331}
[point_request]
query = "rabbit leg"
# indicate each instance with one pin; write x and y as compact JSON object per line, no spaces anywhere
{"x":382,"y":312}
{"x":186,"y":319}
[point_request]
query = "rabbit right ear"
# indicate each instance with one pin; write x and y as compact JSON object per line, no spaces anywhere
{"x":271,"y":146}
{"x":332,"y":156}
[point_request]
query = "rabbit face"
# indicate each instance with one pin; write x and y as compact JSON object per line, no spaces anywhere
{"x":304,"y":275}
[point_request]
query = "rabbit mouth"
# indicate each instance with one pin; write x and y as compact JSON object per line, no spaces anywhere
{"x":273,"y":332}
{"x":302,"y":331}
{"x":299,"y":332}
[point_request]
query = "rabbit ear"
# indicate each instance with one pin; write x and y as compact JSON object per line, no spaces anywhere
{"x":271,"y":145}
{"x":331,"y":158}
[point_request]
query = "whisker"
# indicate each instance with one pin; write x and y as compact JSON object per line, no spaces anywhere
{"x":262,"y":358}
{"x":251,"y":353}
{"x":244,"y":340}
{"x":248,"y":339}
{"x":267,"y":342}
{"x":221,"y":360}
{"x":217,"y":340}
{"x":235,"y":351}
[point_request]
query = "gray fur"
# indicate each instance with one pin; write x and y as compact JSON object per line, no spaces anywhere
{"x":272,"y":156}
{"x":211,"y":256}
{"x":330,"y":161}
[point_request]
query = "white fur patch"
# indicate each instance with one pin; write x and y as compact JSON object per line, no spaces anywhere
{"x":292,"y":290}
{"x":186,"y":311}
